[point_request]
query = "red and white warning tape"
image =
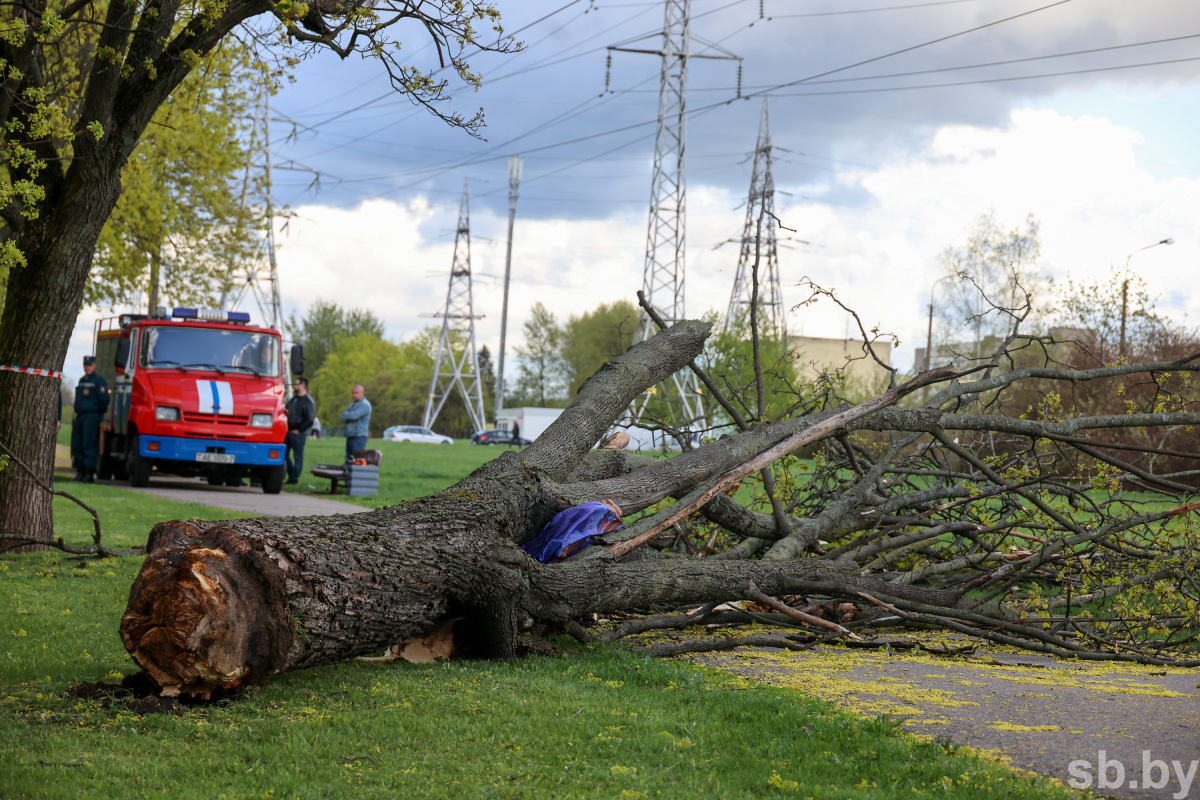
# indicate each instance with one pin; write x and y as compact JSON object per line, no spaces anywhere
{"x":45,"y":373}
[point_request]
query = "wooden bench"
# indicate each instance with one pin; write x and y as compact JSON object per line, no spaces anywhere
{"x":359,"y":479}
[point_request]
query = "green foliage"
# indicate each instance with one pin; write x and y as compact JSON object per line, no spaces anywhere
{"x":556,"y":359}
{"x":324,"y":325}
{"x":541,"y":377}
{"x":729,"y":360}
{"x":595,"y":337}
{"x":187,"y":218}
{"x":394,"y":376}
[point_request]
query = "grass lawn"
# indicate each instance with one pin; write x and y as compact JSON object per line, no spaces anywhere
{"x":602,"y":722}
{"x":408,"y":470}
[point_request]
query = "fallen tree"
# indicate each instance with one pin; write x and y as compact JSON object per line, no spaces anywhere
{"x":901,"y":516}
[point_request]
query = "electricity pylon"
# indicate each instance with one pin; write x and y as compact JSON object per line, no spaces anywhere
{"x":259,"y":280}
{"x":457,"y":364}
{"x":760,"y":244}
{"x":663,"y":278}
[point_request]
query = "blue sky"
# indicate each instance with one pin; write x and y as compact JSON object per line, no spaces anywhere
{"x":878,"y":174}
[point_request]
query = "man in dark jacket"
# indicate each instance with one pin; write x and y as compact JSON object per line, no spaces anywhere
{"x":301,"y":411}
{"x":91,"y":401}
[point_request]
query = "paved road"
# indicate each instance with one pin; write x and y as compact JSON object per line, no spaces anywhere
{"x":247,"y":499}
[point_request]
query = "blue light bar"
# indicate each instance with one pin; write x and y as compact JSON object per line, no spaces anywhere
{"x":211,"y":315}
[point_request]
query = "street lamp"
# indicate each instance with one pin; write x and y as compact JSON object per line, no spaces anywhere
{"x":929,"y":332}
{"x":1125,"y":288}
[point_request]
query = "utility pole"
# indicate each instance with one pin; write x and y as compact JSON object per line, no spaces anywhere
{"x":760,"y":245}
{"x":663,"y":277}
{"x":1125,"y":288}
{"x":514,"y":181}
{"x":457,"y":363}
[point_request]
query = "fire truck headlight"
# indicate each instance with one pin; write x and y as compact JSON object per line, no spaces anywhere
{"x":261,"y":421}
{"x":167,"y":413}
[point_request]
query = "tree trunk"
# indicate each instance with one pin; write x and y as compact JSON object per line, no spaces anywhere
{"x":223,"y":609}
{"x":39,"y":316}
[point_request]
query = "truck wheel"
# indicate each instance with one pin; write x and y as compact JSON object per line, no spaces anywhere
{"x":137,"y":468}
{"x":272,"y":479}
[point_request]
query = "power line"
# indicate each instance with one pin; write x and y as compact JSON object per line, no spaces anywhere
{"x":983,"y":81}
{"x":427,"y":173}
{"x":870,"y":10}
{"x":910,"y":49}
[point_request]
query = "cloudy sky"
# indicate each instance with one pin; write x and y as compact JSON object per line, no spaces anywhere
{"x":896,"y":125}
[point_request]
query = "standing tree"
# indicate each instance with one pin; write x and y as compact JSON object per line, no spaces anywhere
{"x":487,"y":374}
{"x":596,"y":337}
{"x":325,"y":325}
{"x":64,"y":154}
{"x":995,"y":275}
{"x":540,"y":374}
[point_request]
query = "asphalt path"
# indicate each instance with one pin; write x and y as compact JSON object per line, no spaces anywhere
{"x":247,"y":499}
{"x":1120,"y":730}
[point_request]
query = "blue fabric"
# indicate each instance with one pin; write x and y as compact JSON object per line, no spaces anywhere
{"x":354,"y":444}
{"x":574,"y":529}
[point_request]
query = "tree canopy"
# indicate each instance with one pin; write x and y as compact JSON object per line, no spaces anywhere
{"x":989,"y":281}
{"x":326,"y":324}
{"x":191,"y":210}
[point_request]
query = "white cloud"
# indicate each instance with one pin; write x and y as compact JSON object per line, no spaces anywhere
{"x":1079,"y":176}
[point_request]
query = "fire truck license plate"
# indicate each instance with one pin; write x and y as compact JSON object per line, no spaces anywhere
{"x":215,"y":458}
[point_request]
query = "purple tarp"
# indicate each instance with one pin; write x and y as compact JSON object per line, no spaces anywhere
{"x":574,"y":529}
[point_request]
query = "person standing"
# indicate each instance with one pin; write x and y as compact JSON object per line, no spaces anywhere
{"x":91,"y":401}
{"x":301,"y":411}
{"x":357,"y":418}
{"x":516,"y":434}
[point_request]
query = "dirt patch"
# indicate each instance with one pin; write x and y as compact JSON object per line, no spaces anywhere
{"x":136,"y":693}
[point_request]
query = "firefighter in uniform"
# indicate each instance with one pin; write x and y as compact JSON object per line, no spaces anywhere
{"x":91,"y":401}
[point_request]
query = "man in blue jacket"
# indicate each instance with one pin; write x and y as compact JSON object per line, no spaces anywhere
{"x":357,"y":418}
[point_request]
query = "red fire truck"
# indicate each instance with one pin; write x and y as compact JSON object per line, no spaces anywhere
{"x":194,"y":393}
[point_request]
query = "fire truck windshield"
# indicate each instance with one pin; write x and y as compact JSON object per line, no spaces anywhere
{"x":205,"y":348}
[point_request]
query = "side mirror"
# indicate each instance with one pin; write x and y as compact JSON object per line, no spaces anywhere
{"x":297,"y":359}
{"x":122,"y":357}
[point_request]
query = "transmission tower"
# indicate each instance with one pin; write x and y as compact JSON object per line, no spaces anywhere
{"x":256,"y":279}
{"x":457,"y":364}
{"x":759,"y":244}
{"x":663,"y":278}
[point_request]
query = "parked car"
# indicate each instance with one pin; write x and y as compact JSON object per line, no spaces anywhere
{"x":497,"y":436}
{"x":414,"y":433}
